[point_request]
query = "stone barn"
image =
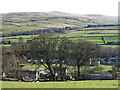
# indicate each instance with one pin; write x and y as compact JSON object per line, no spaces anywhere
{"x":33,"y":75}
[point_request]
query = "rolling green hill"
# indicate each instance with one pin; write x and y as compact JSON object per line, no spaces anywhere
{"x":90,"y":27}
{"x":18,"y":22}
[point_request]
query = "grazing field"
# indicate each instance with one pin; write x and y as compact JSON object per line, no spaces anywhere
{"x":76,"y":35}
{"x":74,"y":27}
{"x":29,"y":21}
{"x":105,"y":68}
{"x":62,"y":84}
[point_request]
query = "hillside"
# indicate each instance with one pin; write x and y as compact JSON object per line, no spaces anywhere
{"x":31,"y":21}
{"x":90,"y":27}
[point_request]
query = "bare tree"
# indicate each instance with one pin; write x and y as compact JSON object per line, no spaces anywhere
{"x":82,"y":52}
{"x":63,"y":54}
{"x":13,"y":58}
{"x":43,"y":48}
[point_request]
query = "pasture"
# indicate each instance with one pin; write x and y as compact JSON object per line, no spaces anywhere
{"x":21,"y":24}
{"x":105,"y":68}
{"x":93,"y":35}
{"x":62,"y":84}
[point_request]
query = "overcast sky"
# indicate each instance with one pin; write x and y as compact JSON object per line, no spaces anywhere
{"x":105,"y":7}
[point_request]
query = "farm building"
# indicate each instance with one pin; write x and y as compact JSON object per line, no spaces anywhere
{"x":34,"y":75}
{"x":41,"y":73}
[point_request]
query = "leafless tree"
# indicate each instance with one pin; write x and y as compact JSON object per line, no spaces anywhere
{"x":43,"y":49}
{"x":63,"y":53}
{"x":13,"y":57}
{"x":82,"y":52}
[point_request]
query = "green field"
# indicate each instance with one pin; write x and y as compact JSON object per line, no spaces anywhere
{"x":67,"y":84}
{"x":15,"y":23}
{"x":76,"y":35}
{"x":105,"y":68}
{"x":26,"y":23}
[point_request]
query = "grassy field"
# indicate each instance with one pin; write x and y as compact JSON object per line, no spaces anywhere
{"x":92,"y":39}
{"x":31,"y":22}
{"x":67,"y":84}
{"x":70,"y":69}
{"x":13,"y":24}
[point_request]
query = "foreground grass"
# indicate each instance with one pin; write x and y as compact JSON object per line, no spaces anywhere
{"x":68,"y":84}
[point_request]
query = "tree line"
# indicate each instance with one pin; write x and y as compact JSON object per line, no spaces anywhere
{"x":101,"y":25}
{"x":46,"y":49}
{"x":38,"y":31}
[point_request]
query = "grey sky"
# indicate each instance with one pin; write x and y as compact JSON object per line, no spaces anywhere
{"x":105,"y":7}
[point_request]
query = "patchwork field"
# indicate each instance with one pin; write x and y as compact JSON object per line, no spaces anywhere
{"x":94,"y":36}
{"x":15,"y":25}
